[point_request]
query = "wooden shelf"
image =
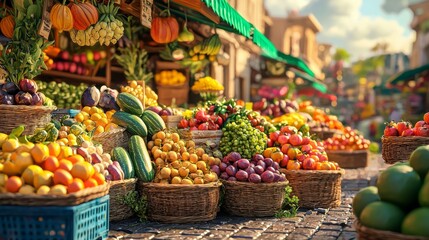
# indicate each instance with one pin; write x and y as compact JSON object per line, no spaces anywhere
{"x":60,"y":74}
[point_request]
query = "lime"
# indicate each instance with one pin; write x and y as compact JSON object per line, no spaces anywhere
{"x":417,"y":222}
{"x":383,"y":216}
{"x":424,"y":195}
{"x":364,"y":197}
{"x":400,"y":185}
{"x":419,"y":160}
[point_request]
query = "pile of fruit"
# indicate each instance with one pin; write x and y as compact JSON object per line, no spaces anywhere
{"x":62,"y":94}
{"x":295,"y":119}
{"x":201,"y":120}
{"x":209,"y":48}
{"x":145,"y":95}
{"x":95,"y":119}
{"x":276,"y":107}
{"x":320,"y":116}
{"x":108,"y":29}
{"x":165,"y":111}
{"x":180,"y":162}
{"x":78,"y":62}
{"x":349,"y":140}
{"x":259,"y":169}
{"x":405,"y":129}
{"x":400,"y":200}
{"x":294,"y":152}
{"x":26,"y":93}
{"x":170,"y":78}
{"x":29,"y":168}
{"x":239,"y":136}
{"x":271,"y":93}
{"x":207,"y":84}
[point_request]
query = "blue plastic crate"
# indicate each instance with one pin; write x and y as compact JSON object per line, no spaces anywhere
{"x":89,"y":220}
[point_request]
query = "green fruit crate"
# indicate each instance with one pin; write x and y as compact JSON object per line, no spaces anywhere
{"x":89,"y":220}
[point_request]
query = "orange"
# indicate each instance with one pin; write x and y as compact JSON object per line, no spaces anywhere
{"x":75,"y":186}
{"x":65,"y":164}
{"x":82,"y":170}
{"x":65,"y":152}
{"x":51,"y":163}
{"x":102,"y":122}
{"x":63,"y":177}
{"x":277,"y":156}
{"x":268,"y":151}
{"x":75,"y":158}
{"x":91,"y":182}
{"x":13,"y":184}
{"x":54,"y":149}
{"x":10,"y":168}
{"x":99,"y":178}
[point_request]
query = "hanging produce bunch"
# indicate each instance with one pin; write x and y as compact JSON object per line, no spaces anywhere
{"x":165,"y":28}
{"x":210,"y":47}
{"x":107,"y":30}
{"x":7,"y":24}
{"x":61,"y":17}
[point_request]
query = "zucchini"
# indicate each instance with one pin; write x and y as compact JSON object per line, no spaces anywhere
{"x":153,"y":121}
{"x":121,"y":155}
{"x":132,"y":123}
{"x":130,"y":104}
{"x":141,"y":160}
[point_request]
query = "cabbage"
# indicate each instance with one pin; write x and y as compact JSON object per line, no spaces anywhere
{"x":108,"y":99}
{"x":90,"y":97}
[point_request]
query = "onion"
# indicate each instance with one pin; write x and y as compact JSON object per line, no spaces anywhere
{"x":224,"y":175}
{"x":267,"y":176}
{"x":215,"y":169}
{"x":254,"y":178}
{"x":257,"y":157}
{"x":276,"y":165}
{"x":223,"y":166}
{"x":271,"y":169}
{"x":243,"y":163}
{"x":232,"y":179}
{"x":234,"y":156}
{"x":276,"y":177}
{"x":231,"y":170}
{"x":225,"y":159}
{"x":268,"y":162}
{"x":262,"y":164}
{"x":250,"y":170}
{"x":282,"y":178}
{"x":259,"y":169}
{"x":242,"y":176}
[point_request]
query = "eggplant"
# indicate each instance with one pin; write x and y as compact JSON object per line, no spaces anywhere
{"x":41,"y":96}
{"x":36,"y":100}
{"x":90,"y":97}
{"x":6,"y":99}
{"x":28,"y":85}
{"x":23,"y":98}
{"x":10,"y":88}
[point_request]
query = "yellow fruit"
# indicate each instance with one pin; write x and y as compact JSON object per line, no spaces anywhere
{"x":94,"y":110}
{"x":27,"y":189}
{"x":25,"y":148}
{"x":29,"y":174}
{"x":86,"y":109}
{"x":10,"y":145}
{"x":10,"y":169}
{"x":3,"y":138}
{"x":43,"y":190}
{"x":198,"y":180}
{"x":79,"y":117}
{"x":23,"y":160}
{"x":176,"y":180}
{"x":183,"y":172}
{"x":187,"y":181}
{"x":54,"y":149}
{"x":95,"y":117}
{"x":65,"y":152}
{"x":82,"y":170}
{"x":43,"y":178}
{"x":3,"y":179}
{"x":165,"y":173}
{"x":39,"y":152}
{"x":58,"y":189}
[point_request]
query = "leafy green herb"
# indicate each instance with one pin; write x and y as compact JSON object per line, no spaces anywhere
{"x":133,"y":60}
{"x":137,"y":203}
{"x":289,"y":206}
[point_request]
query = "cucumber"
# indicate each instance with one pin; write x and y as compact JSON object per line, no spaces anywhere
{"x":121,"y":155}
{"x":153,"y":121}
{"x":141,"y":160}
{"x":132,"y":123}
{"x":130,"y":104}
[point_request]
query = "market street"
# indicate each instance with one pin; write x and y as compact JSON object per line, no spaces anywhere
{"x":336,"y":223}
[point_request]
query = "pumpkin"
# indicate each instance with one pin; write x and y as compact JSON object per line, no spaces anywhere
{"x":61,"y":17}
{"x":7,"y":25}
{"x":84,"y":15}
{"x":164,"y":29}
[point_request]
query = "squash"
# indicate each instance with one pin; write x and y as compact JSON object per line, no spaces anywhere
{"x":61,"y":17}
{"x":7,"y":26}
{"x":164,"y":29}
{"x":84,"y":15}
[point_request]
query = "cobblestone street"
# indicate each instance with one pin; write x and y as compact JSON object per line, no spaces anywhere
{"x":335,"y":223}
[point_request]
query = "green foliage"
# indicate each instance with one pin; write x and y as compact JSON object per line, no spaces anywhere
{"x":133,"y":60}
{"x":341,"y":55}
{"x":137,"y":203}
{"x":290,"y":204}
{"x":362,"y":68}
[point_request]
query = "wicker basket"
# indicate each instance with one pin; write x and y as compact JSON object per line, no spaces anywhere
{"x":118,"y":189}
{"x":321,"y":188}
{"x":117,"y":137}
{"x":200,"y":137}
{"x":247,"y":199}
{"x":366,"y":233}
{"x":171,"y":121}
{"x":399,"y":149}
{"x":11,"y":116}
{"x":323,"y":134}
{"x":77,"y":198}
{"x":349,"y":159}
{"x":176,"y":203}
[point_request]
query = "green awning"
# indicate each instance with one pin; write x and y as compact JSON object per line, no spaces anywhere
{"x":230,"y":16}
{"x":267,"y":47}
{"x":297,"y":62}
{"x":408,"y":74}
{"x":313,"y":82}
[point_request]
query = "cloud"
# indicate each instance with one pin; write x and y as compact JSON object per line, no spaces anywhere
{"x":396,"y":6}
{"x":344,"y":26}
{"x":280,"y":8}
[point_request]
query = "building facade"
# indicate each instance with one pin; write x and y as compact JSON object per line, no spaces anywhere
{"x":420,"y":24}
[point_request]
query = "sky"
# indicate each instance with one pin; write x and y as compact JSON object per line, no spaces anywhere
{"x":356,"y":25}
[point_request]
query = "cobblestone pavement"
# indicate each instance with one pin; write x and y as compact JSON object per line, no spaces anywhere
{"x":323,"y":224}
